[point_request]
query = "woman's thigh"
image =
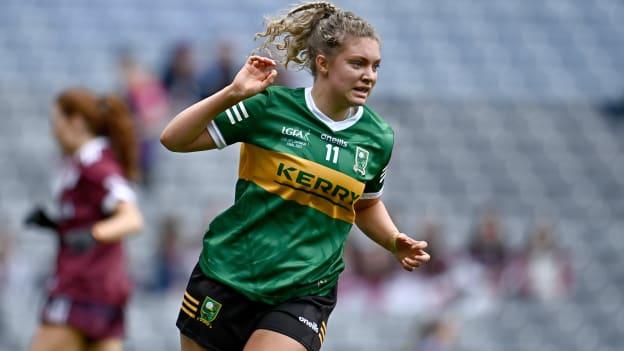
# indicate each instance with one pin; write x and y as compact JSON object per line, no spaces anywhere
{"x":187,"y":344}
{"x":57,"y":338}
{"x":110,"y":344}
{"x":267,"y":340}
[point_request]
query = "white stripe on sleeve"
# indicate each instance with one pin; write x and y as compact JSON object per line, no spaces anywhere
{"x":216,"y":135}
{"x":368,"y":196}
{"x":230,"y":117}
{"x":242,"y":107}
{"x":238,"y":116}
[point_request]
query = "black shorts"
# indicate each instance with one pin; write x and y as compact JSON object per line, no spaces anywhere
{"x":219,"y":318}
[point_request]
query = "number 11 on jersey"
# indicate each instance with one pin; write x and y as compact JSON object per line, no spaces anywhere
{"x":332,"y":153}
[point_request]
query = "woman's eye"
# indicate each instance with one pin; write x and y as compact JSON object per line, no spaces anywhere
{"x":376,"y":67}
{"x":356,"y":63}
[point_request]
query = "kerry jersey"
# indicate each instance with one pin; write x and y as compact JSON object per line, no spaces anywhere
{"x":300,"y":174}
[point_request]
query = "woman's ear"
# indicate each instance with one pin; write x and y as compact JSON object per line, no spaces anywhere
{"x":322,"y":64}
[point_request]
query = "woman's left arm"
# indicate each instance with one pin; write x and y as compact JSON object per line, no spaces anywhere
{"x":372,"y":217}
{"x":126,"y":220}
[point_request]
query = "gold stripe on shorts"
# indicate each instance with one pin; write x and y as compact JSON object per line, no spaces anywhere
{"x":322,"y":332}
{"x":189,"y":313}
{"x":191,"y":298}
{"x":187,"y":304}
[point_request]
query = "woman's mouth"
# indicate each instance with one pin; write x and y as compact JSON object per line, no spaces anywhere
{"x":361,"y":91}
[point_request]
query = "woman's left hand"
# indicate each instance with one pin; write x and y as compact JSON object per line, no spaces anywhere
{"x":409,"y":252}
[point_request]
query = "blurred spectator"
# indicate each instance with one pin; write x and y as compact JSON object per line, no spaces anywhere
{"x":431,"y":289}
{"x":613,"y":109}
{"x":487,"y":246}
{"x":147,"y":99}
{"x":5,"y":256}
{"x":284,"y":78}
{"x":547,"y":269}
{"x":180,"y":77}
{"x":368,"y":266}
{"x":222,"y":71}
{"x":169,"y":268}
{"x":437,"y":335}
{"x":440,"y":260}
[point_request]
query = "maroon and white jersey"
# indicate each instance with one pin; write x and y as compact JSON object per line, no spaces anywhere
{"x":89,"y":188}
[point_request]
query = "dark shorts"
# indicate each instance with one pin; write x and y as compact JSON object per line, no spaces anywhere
{"x":219,"y":318}
{"x":94,"y":321}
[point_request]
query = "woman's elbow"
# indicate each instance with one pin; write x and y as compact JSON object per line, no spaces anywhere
{"x":167,"y":140}
{"x":138,"y":224}
{"x":135,"y":221}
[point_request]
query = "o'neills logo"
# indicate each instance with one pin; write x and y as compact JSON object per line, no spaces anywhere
{"x":311,"y":325}
{"x":334,"y":140}
{"x":316,"y":185}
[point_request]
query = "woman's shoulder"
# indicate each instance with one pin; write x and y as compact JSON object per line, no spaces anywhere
{"x":285,"y":91}
{"x":105,"y":166}
{"x":380,"y":124}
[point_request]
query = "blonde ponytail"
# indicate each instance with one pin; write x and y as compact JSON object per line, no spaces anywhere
{"x":310,"y":29}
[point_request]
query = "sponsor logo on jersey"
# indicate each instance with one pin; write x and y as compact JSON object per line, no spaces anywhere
{"x":316,"y":185}
{"x":361,"y":160}
{"x":305,"y":182}
{"x":295,"y":137}
{"x":311,"y":325}
{"x":296,"y":132}
{"x":209,"y":310}
{"x":334,"y":140}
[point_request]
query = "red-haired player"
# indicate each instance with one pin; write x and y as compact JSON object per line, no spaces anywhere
{"x":85,"y":306}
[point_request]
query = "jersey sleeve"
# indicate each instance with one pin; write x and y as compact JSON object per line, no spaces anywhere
{"x":117,"y":190}
{"x":374,"y":187}
{"x":114,"y":188}
{"x":238,"y":122}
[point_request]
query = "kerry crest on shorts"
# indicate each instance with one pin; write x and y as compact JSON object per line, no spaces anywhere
{"x":209,"y":310}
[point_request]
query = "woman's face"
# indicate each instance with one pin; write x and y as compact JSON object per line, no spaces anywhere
{"x":65,"y":130}
{"x":352,"y":73}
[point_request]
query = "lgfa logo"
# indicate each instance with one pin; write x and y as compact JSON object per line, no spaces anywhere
{"x":297,"y":133}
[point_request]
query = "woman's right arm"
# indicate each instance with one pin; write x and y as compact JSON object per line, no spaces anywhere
{"x":187,"y":131}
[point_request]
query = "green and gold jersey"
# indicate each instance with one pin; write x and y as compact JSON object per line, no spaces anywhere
{"x":300,"y":174}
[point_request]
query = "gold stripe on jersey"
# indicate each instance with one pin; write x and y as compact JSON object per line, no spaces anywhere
{"x":303,"y":181}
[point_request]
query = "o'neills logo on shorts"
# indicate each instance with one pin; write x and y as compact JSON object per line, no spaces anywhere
{"x":311,"y":325}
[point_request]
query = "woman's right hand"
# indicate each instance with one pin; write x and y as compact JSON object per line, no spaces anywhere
{"x":255,"y":76}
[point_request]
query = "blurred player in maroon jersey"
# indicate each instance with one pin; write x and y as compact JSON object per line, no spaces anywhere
{"x":86,"y":301}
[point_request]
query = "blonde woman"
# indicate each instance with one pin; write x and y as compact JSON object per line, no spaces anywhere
{"x":313,"y":162}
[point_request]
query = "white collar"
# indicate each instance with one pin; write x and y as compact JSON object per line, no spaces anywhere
{"x":335,"y":126}
{"x":91,"y":151}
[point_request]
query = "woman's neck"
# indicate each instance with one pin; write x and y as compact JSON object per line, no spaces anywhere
{"x":324,"y":101}
{"x":79,"y":142}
